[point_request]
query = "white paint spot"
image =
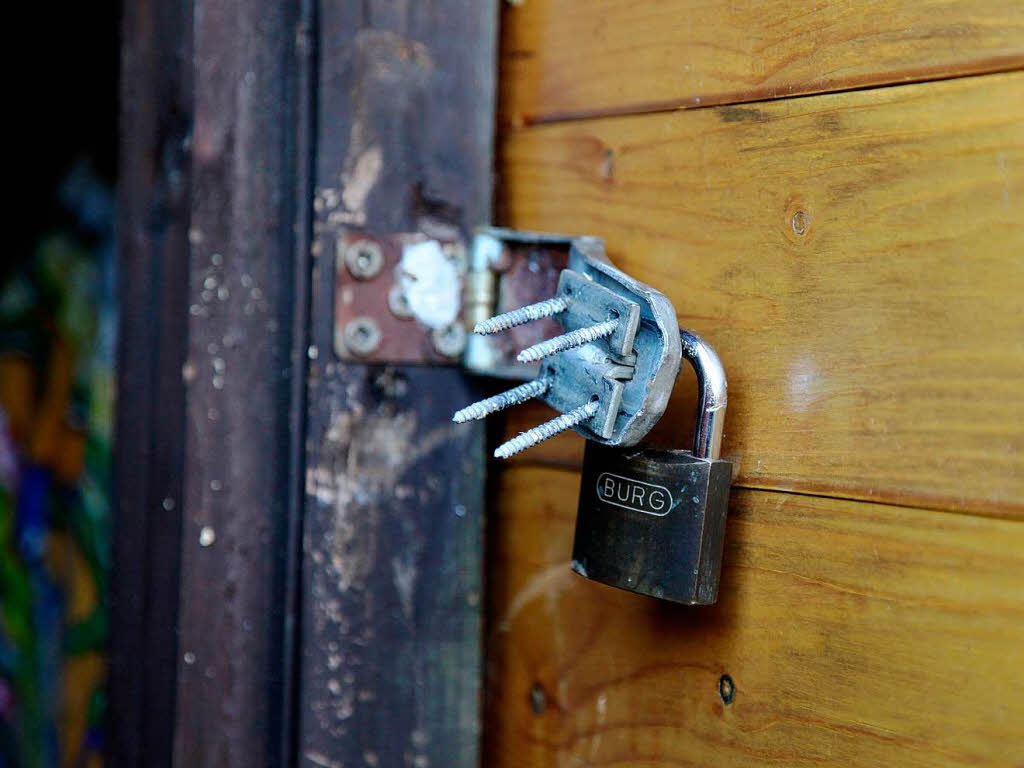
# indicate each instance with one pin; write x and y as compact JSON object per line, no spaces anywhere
{"x":207,"y":536}
{"x":405,"y":582}
{"x":321,"y":760}
{"x":430,"y":282}
{"x":420,"y":739}
{"x":805,"y":384}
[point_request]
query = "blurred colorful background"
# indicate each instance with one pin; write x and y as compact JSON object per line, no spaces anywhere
{"x":57,"y":349}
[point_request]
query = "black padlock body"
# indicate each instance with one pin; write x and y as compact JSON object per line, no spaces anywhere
{"x":652,"y":521}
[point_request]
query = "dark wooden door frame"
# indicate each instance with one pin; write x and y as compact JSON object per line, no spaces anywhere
{"x":236,"y":640}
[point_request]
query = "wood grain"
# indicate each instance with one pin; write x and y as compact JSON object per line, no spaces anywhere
{"x":856,"y":260}
{"x":571,"y":58}
{"x":857,"y":634}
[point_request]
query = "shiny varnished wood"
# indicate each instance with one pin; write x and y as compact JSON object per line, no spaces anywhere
{"x":566,"y":58}
{"x":855,"y":634}
{"x":855,"y":258}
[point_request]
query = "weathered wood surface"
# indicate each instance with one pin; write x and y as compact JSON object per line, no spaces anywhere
{"x":153,"y":209}
{"x":392,"y":548}
{"x":855,"y":259}
{"x":391,"y":653}
{"x":856,"y":634}
{"x":566,"y":58}
{"x":241,"y":404}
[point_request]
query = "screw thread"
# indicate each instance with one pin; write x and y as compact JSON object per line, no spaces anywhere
{"x":500,"y":402}
{"x":522,"y":315}
{"x":542,"y":432}
{"x":569,"y":340}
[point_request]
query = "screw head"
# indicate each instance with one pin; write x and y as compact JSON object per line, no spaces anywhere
{"x":538,"y":699}
{"x":364,"y":259}
{"x":398,"y":302}
{"x":362,"y":336}
{"x":450,"y":340}
{"x":726,"y":689}
{"x":800,"y":223}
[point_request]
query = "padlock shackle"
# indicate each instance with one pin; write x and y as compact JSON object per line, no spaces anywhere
{"x":713,"y":395}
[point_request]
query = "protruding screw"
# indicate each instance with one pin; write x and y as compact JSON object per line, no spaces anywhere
{"x":522,"y":315}
{"x":484,"y":408}
{"x":450,"y":340}
{"x":569,"y":340}
{"x":362,"y":336}
{"x":542,"y":432}
{"x":364,"y":259}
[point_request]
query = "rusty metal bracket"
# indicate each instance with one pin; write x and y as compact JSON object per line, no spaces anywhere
{"x":410,"y":298}
{"x":398,"y":298}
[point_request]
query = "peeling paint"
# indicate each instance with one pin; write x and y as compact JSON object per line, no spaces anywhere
{"x":361,"y":459}
{"x":357,"y":183}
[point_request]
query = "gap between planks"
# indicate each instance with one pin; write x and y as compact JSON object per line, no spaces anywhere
{"x":977,"y":508}
{"x":996,"y":66}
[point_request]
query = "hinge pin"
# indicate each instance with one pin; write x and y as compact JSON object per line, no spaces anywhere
{"x":542,"y":432}
{"x":500,"y":402}
{"x":569,"y":340}
{"x":522,"y":315}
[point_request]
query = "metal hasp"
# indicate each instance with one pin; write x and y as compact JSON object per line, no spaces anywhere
{"x":610,"y":373}
{"x":653,"y":521}
{"x":650,"y":521}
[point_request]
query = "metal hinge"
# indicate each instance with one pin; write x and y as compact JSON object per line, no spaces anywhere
{"x":596,"y":345}
{"x":410,"y":298}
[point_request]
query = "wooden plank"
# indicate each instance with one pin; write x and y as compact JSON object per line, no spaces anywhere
{"x":854,"y":258}
{"x":572,"y":58}
{"x":153,"y":215}
{"x":245,"y":348}
{"x":855,"y":634}
{"x":392,"y":568}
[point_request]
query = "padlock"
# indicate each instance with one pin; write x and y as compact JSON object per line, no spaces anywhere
{"x":653,"y":521}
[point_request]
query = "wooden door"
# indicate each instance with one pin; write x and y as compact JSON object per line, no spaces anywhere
{"x":833,"y":195}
